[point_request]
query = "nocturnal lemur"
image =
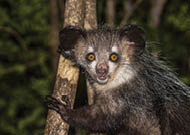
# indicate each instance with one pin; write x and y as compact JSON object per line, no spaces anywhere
{"x":134,"y":94}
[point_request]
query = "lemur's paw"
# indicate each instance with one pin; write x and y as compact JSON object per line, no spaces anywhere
{"x":56,"y":105}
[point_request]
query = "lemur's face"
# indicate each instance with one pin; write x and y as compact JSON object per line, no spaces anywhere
{"x":102,"y":63}
{"x":104,"y":53}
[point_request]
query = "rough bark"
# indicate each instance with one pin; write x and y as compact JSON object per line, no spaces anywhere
{"x":54,"y":124}
{"x":67,"y":75}
{"x":90,"y":15}
{"x":74,"y":13}
{"x":156,"y":11}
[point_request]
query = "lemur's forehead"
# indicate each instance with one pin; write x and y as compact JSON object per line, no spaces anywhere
{"x":113,"y":48}
{"x":102,"y":41}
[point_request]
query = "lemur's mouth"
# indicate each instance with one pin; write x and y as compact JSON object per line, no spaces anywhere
{"x":102,"y":79}
{"x":102,"y":76}
{"x":102,"y":72}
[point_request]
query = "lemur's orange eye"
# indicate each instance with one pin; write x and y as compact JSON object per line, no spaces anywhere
{"x":113,"y":57}
{"x":90,"y":57}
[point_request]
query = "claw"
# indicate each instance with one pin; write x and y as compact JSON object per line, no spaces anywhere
{"x":59,"y":107}
{"x":52,"y":103}
{"x":53,"y":106}
{"x":66,"y":100}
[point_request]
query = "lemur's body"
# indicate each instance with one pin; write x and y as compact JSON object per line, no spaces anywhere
{"x":135,"y":95}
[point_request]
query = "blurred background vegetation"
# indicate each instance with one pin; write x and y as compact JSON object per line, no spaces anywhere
{"x":28,"y":42}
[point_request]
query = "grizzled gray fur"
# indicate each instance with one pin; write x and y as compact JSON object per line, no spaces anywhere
{"x":135,"y":95}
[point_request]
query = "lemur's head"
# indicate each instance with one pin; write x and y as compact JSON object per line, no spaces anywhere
{"x":104,"y":51}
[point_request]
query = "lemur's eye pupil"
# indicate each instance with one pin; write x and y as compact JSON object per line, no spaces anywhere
{"x":90,"y":57}
{"x":114,"y":57}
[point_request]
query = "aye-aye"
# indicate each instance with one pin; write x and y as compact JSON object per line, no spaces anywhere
{"x":134,"y":93}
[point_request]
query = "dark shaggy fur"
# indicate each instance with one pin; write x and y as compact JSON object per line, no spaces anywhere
{"x":142,"y":98}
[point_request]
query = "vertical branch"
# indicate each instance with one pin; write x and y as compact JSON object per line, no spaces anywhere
{"x":74,"y":13}
{"x":155,"y":14}
{"x":54,"y":31}
{"x":67,"y":75}
{"x":61,"y":9}
{"x":156,"y":11}
{"x":110,"y":11}
{"x":129,"y":9}
{"x":90,"y":15}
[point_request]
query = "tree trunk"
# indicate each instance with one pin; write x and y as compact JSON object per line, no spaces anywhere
{"x":110,"y":12}
{"x":61,"y":7}
{"x":130,"y":7}
{"x":67,"y":75}
{"x":156,"y":11}
{"x":90,"y":15}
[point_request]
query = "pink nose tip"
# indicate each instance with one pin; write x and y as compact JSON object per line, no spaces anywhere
{"x":102,"y":68}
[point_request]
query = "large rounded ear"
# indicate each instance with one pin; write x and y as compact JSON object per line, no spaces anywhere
{"x":68,"y":38}
{"x":133,"y":36}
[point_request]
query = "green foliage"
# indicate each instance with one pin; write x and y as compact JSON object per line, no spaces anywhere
{"x":25,"y":73}
{"x":25,"y":63}
{"x":176,"y":40}
{"x":179,"y":16}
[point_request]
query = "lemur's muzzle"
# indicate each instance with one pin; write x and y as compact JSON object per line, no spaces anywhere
{"x":102,"y":70}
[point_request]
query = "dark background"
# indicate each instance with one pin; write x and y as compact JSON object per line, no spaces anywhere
{"x":28,"y":63}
